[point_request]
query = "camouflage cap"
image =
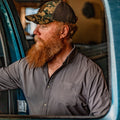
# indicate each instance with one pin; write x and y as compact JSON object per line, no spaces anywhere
{"x":55,"y":10}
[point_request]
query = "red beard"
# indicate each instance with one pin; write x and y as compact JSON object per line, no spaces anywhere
{"x":42,"y":52}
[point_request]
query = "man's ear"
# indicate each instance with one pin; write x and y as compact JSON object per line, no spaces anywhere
{"x":64,"y":31}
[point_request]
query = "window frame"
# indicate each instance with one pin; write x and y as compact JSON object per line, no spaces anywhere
{"x":114,"y":110}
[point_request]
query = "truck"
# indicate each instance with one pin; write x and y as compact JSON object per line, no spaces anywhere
{"x":14,"y":44}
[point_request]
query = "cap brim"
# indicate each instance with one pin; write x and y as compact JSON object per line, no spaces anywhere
{"x":37,"y":19}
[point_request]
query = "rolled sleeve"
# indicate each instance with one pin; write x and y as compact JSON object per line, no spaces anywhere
{"x":9,"y":77}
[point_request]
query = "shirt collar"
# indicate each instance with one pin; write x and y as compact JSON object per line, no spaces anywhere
{"x":68,"y":60}
{"x":71,"y":56}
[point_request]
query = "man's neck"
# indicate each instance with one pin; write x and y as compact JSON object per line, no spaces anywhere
{"x":58,"y":60}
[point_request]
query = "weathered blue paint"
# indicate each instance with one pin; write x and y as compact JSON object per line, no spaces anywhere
{"x":9,"y":33}
{"x":12,"y":35}
{"x":16,"y":33}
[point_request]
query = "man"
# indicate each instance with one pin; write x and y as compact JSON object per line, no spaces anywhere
{"x":55,"y":78}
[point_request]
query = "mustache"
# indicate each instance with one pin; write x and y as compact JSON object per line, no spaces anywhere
{"x":38,"y":39}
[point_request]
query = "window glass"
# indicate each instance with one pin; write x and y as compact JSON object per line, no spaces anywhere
{"x":30,"y":26}
{"x":26,"y":8}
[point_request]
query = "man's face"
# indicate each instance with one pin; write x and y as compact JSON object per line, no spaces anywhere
{"x":48,"y":44}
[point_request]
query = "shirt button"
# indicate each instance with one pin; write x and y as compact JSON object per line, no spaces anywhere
{"x":45,"y":104}
{"x":48,"y":86}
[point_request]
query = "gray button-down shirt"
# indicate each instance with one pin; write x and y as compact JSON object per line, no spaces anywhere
{"x":76,"y":88}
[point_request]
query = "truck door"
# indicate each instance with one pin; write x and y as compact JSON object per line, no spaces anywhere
{"x":6,"y":97}
{"x":12,"y":48}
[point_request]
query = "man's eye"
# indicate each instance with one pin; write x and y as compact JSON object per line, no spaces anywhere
{"x":43,"y":26}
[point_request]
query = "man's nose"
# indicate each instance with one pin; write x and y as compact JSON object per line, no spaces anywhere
{"x":36,"y":31}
